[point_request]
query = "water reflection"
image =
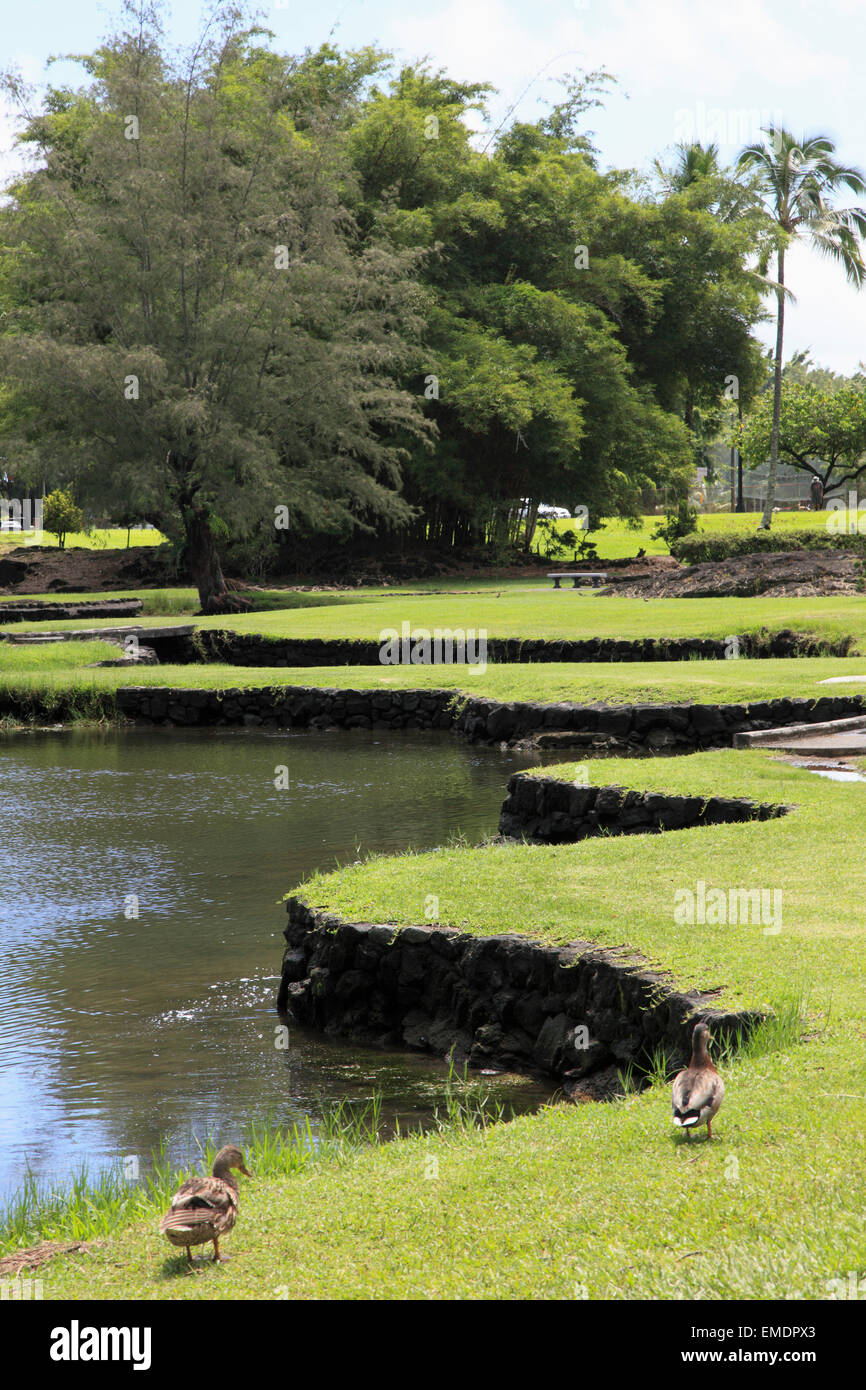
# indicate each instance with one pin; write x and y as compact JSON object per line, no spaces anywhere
{"x":836,"y":771}
{"x":140,"y":926}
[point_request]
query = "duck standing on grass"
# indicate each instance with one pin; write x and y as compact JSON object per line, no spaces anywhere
{"x":699,"y":1090}
{"x":204,"y":1209}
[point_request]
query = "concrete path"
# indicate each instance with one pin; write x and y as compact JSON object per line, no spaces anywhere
{"x":838,"y":738}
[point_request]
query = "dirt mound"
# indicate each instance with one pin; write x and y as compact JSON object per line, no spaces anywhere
{"x":798,"y":573}
{"x":45,"y":570}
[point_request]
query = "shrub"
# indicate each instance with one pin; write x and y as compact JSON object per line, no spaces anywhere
{"x":679,"y":522}
{"x":552,"y":542}
{"x":60,"y":516}
{"x":693,"y":549}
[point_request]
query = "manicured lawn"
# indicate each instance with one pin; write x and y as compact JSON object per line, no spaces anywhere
{"x":597,"y":1201}
{"x":529,"y":609}
{"x":580,"y":891}
{"x":617,"y":541}
{"x":51,"y":671}
{"x":537,"y":610}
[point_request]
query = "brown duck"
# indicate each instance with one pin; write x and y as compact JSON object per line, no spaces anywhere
{"x":699,"y":1090}
{"x":204,"y":1209}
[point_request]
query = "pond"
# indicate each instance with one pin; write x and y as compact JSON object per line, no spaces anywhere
{"x":119,"y":1032}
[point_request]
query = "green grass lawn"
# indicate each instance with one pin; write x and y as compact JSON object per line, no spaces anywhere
{"x":617,"y":541}
{"x":580,"y":891}
{"x":61,"y":671}
{"x":537,"y":611}
{"x":521,"y":609}
{"x":100,"y":538}
{"x":596,"y":1201}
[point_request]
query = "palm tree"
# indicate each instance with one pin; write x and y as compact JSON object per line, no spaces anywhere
{"x":795,"y":180}
{"x":694,"y":161}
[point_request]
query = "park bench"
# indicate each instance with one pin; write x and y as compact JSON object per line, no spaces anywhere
{"x":596,"y":577}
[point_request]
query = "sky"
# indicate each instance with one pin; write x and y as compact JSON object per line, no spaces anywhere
{"x":685,"y":69}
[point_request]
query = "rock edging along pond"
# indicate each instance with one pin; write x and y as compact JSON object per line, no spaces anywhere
{"x":250,"y":649}
{"x":640,"y":728}
{"x":579,"y":1013}
{"x":38,"y":610}
{"x":556,"y":812}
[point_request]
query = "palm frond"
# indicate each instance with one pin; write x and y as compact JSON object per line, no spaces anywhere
{"x":842,"y":247}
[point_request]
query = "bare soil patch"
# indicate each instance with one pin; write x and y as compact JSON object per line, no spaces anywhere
{"x":45,"y":570}
{"x":797,"y":573}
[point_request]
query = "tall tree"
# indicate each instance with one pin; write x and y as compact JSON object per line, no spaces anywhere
{"x":192,"y":317}
{"x":797,"y":179}
{"x":547,"y":272}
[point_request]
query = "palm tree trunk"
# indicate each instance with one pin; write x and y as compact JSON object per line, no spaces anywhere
{"x":766,"y":519}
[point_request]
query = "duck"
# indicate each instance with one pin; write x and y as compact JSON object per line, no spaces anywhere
{"x":204,"y":1209}
{"x":699,"y":1090}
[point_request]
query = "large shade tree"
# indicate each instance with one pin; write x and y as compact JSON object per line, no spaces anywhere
{"x":574,"y":328}
{"x":797,"y":181}
{"x":821,"y":431}
{"x":193,"y":321}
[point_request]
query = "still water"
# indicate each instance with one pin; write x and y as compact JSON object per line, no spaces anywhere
{"x":120,"y":1033}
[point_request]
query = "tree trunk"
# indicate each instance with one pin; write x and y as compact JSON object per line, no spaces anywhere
{"x":741,"y":506}
{"x":767,"y":518}
{"x":531,"y":516}
{"x":204,"y":566}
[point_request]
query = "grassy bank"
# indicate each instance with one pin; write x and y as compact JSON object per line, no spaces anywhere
{"x":89,"y":1206}
{"x":592,"y":1201}
{"x":597,"y":1201}
{"x":51,"y":678}
{"x":522,"y":609}
{"x":586,"y":892}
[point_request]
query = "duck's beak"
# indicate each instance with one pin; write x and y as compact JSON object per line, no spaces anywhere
{"x":246,"y":1172}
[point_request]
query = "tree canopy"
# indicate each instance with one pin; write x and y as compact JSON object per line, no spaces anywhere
{"x":821,"y":431}
{"x":239,"y":284}
{"x":194,"y":320}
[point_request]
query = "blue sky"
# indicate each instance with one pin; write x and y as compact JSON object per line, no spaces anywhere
{"x":709,"y":69}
